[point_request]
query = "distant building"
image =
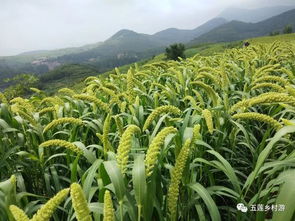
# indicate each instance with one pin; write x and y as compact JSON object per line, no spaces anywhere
{"x":43,"y":61}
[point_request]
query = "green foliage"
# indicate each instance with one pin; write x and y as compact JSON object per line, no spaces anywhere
{"x":288,"y":29}
{"x":65,"y":76}
{"x":20,"y":85}
{"x":271,"y":39}
{"x":66,"y":72}
{"x":237,"y":30}
{"x":175,"y":51}
{"x":197,"y":138}
{"x":274,"y":33}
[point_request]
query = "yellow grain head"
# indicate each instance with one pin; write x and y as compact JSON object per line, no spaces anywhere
{"x":3,"y":98}
{"x":209,"y":121}
{"x":123,"y":106}
{"x":259,"y":117}
{"x":159,"y":111}
{"x":196,"y":132}
{"x":288,"y":122}
{"x":23,"y":104}
{"x":119,"y":124}
{"x":130,"y":85}
{"x":61,"y":121}
{"x":52,"y":101}
{"x":273,"y":86}
{"x":99,"y":103}
{"x":125,"y":146}
{"x":106,"y":129}
{"x":155,"y":147}
{"x":281,"y":80}
{"x":36,"y":90}
{"x":47,"y":210}
{"x":46,"y":110}
{"x":108,"y":209}
{"x":176,"y":176}
{"x":111,"y":93}
{"x":18,"y":214}
{"x":66,"y":91}
{"x":79,"y":203}
{"x":62,"y":143}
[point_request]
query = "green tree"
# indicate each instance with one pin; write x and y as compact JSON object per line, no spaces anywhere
{"x":288,"y":29}
{"x":175,"y":51}
{"x":274,"y":33}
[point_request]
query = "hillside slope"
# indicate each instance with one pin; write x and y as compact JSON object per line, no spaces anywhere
{"x":236,"y":30}
{"x":124,"y":47}
{"x":130,"y":46}
{"x":172,"y":35}
{"x":257,"y":15}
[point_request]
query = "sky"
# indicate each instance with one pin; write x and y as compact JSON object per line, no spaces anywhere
{"x":28,"y":25}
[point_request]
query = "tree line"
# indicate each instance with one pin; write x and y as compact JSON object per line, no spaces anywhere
{"x":287,"y":30}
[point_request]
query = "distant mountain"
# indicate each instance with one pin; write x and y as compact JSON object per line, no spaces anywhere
{"x":122,"y":42}
{"x":128,"y":46}
{"x":32,"y":55}
{"x":173,"y":35}
{"x":237,"y":30}
{"x":253,"y":15}
{"x":127,"y":40}
{"x":124,"y":47}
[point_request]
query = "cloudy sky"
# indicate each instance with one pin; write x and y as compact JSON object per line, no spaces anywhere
{"x":49,"y":24}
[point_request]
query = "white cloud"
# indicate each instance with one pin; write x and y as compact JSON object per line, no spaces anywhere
{"x":48,"y":24}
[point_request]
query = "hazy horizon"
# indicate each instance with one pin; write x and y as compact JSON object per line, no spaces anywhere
{"x":47,"y":25}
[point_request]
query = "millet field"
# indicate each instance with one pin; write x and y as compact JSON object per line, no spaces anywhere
{"x":171,"y":140}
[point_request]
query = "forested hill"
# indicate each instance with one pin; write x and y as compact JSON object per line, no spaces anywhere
{"x":124,"y":47}
{"x":237,"y":30}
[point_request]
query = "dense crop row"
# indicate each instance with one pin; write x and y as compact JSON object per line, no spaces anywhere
{"x":184,"y":140}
